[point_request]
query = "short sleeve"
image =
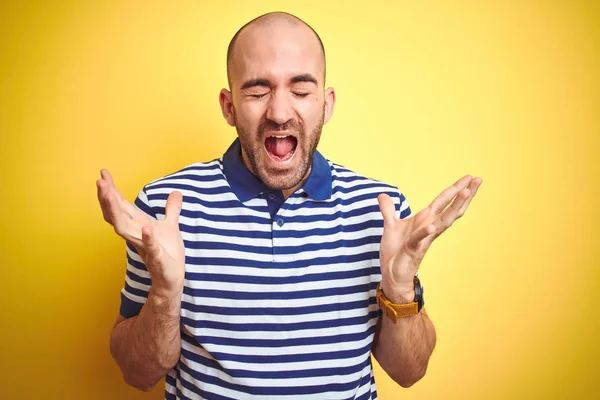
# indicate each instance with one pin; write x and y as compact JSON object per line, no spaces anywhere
{"x":402,"y":206}
{"x":137,"y":278}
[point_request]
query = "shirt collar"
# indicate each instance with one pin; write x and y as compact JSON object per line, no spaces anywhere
{"x":247,"y":186}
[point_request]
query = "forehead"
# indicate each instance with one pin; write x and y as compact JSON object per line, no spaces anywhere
{"x":277,"y":52}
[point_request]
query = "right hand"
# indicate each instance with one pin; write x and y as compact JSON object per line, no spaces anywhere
{"x":159,"y":243}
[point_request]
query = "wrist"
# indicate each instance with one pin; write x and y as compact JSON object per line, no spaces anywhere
{"x":401,"y":296}
{"x":166,"y":289}
{"x":165,"y":299}
{"x":399,"y":293}
{"x":399,"y":301}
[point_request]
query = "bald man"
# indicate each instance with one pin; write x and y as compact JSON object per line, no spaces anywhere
{"x":272,"y":272}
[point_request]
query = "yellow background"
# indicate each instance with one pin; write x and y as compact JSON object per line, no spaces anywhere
{"x":427,"y":92}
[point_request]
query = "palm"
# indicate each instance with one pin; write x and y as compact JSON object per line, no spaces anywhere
{"x":393,"y":244}
{"x":170,"y":250}
{"x":129,"y":220}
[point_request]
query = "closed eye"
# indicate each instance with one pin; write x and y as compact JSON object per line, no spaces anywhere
{"x":258,"y":96}
{"x":301,"y":94}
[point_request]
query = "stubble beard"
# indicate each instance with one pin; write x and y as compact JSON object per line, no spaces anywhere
{"x":275,"y":178}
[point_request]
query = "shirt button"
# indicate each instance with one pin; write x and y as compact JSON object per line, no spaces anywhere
{"x":272,"y":196}
{"x":280,"y":221}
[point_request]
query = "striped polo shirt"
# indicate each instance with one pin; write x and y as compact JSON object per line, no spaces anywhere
{"x":279,"y":295}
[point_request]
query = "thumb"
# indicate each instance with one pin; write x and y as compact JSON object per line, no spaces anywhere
{"x":173,"y":207}
{"x":387,"y":208}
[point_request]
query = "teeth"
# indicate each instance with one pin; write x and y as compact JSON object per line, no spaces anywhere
{"x":280,"y":137}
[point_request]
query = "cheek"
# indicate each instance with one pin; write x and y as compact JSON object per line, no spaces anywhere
{"x":311,"y":113}
{"x":249,"y":115}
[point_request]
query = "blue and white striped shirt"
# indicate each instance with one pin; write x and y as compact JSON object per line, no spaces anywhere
{"x":279,"y":295}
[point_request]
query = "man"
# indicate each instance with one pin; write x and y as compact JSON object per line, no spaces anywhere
{"x":263,"y":274}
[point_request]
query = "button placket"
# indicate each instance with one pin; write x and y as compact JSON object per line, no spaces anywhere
{"x":279,"y":225}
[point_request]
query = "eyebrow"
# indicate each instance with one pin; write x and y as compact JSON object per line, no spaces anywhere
{"x":256,"y":82}
{"x":305,"y":78}
{"x":267,"y":83}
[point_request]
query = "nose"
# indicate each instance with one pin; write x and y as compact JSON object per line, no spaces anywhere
{"x":279,"y":109}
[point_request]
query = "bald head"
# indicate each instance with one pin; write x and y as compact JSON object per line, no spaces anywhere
{"x":271,"y":25}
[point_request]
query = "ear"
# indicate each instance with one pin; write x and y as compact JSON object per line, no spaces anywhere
{"x":329,"y":104}
{"x":226,"y":102}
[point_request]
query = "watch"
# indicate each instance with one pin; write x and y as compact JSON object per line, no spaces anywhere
{"x":395,"y":311}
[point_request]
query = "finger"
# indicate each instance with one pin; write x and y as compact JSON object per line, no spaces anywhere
{"x":387,"y":208}
{"x":111,"y":206}
{"x":416,"y":238}
{"x":473,"y":187}
{"x":151,"y":245}
{"x":447,"y":195}
{"x":123,"y":219}
{"x":107,"y":177}
{"x":100,"y":184}
{"x":451,"y":213}
{"x":120,"y":217}
{"x":173,"y":207}
{"x":425,"y":243}
{"x":110,"y":183}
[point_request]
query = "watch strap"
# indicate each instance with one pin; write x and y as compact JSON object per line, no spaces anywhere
{"x":394,"y":311}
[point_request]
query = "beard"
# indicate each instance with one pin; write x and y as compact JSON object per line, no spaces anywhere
{"x":280,"y":178}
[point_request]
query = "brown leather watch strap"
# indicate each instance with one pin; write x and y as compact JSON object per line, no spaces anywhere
{"x":395,"y":311}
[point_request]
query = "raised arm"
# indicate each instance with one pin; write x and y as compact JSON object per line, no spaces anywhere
{"x":403,"y":349}
{"x":147,"y":346}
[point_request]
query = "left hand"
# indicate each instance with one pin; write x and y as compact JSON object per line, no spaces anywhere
{"x":405,"y":241}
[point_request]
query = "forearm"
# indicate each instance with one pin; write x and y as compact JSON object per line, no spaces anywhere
{"x":147,"y":346}
{"x":403,"y":349}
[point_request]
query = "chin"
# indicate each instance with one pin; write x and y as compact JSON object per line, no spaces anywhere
{"x":280,"y":182}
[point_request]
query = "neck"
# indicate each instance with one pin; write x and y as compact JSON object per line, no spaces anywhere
{"x":288,"y":192}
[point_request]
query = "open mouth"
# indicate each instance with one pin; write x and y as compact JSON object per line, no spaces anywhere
{"x":281,"y":147}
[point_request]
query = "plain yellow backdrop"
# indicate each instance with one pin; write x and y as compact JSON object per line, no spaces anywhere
{"x":427,"y":92}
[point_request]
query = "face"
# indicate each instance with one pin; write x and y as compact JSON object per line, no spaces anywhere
{"x":277,"y":102}
{"x":280,"y":155}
